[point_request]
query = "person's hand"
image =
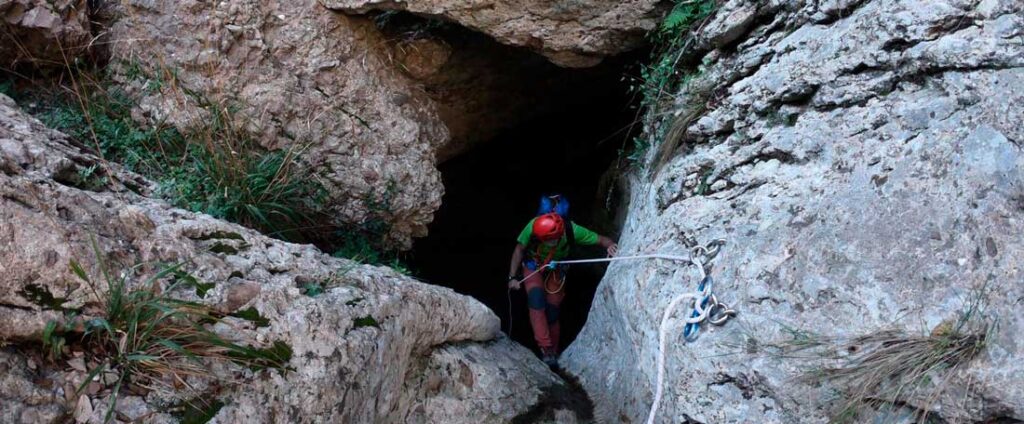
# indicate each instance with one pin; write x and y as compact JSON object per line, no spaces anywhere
{"x":514,"y":284}
{"x":613,"y":250}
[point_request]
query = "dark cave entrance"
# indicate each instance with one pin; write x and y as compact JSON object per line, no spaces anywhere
{"x":493,"y":190}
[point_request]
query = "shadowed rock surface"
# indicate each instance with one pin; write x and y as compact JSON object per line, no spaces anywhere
{"x":371,"y":108}
{"x":575,"y":33}
{"x":44,"y":33}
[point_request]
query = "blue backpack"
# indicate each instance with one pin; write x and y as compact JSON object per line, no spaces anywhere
{"x":557,"y":203}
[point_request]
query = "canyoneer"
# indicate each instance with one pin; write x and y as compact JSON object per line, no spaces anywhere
{"x":545,"y":239}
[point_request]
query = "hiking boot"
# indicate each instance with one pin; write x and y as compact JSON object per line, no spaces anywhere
{"x":551,"y":361}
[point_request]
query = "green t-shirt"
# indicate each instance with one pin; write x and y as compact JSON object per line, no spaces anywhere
{"x":540,"y":252}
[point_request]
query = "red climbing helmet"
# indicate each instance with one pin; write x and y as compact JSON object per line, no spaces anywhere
{"x":548,"y":227}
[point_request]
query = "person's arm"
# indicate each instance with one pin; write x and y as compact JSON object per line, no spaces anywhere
{"x":513,"y":269}
{"x":609,"y":245}
{"x":587,"y":237}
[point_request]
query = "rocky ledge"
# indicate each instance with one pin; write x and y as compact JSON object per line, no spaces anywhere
{"x":371,"y":346}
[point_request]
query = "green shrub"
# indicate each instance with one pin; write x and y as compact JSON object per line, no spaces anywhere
{"x":215,"y":169}
{"x":367,"y":242}
{"x":670,"y":40}
{"x":665,"y":74}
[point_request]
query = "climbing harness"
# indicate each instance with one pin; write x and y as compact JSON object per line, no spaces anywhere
{"x":561,"y":285}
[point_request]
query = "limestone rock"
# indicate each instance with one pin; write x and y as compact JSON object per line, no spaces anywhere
{"x":362,"y":350}
{"x":870,"y":176}
{"x":23,"y":400}
{"x":455,"y":372}
{"x":372,"y":104}
{"x":569,"y":33}
{"x":44,"y":33}
{"x":301,"y":77}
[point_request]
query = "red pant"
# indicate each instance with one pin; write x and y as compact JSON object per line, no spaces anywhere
{"x":544,"y":307}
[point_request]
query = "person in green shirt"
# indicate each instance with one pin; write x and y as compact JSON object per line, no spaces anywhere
{"x":544,"y":239}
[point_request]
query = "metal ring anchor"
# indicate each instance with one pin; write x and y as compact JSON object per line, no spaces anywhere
{"x":719,"y":313}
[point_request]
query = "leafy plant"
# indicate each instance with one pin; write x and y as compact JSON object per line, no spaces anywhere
{"x":7,"y":88}
{"x":53,"y":342}
{"x":683,"y":15}
{"x":367,"y":243}
{"x":665,"y":74}
{"x":312,"y":289}
{"x":671,"y":39}
{"x":252,"y":315}
{"x":214,"y":168}
{"x":365,"y":321}
{"x":146,"y":338}
{"x":197,"y":411}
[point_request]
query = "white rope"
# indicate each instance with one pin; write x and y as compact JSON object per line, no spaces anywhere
{"x":702,"y":314}
{"x":663,"y":337}
{"x":624,"y":258}
{"x":611,"y":259}
{"x":508,"y":296}
{"x":697,"y":298}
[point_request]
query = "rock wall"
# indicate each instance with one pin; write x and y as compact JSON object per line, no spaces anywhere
{"x":863,"y":161}
{"x":575,"y":33}
{"x":302,"y":77}
{"x":430,"y":356}
{"x":44,"y":34}
{"x":372,"y":108}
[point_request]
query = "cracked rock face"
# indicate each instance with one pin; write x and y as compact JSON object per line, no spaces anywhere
{"x":301,"y":77}
{"x":430,"y":355}
{"x":373,"y":108}
{"x":43,"y":33}
{"x":863,"y":161}
{"x":573,"y":33}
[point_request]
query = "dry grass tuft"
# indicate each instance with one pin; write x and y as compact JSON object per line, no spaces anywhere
{"x":887,"y":367}
{"x":888,"y":370}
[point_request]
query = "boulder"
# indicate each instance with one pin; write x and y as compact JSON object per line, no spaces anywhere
{"x":863,"y":161}
{"x":371,"y":346}
{"x":372,"y":105}
{"x":299,"y":77}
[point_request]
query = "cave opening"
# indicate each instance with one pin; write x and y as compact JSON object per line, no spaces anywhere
{"x":572,"y":147}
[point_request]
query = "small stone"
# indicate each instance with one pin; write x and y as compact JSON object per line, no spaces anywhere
{"x":77,"y":364}
{"x":240,"y":294}
{"x":69,"y":391}
{"x":110,"y":378}
{"x":83,"y":409}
